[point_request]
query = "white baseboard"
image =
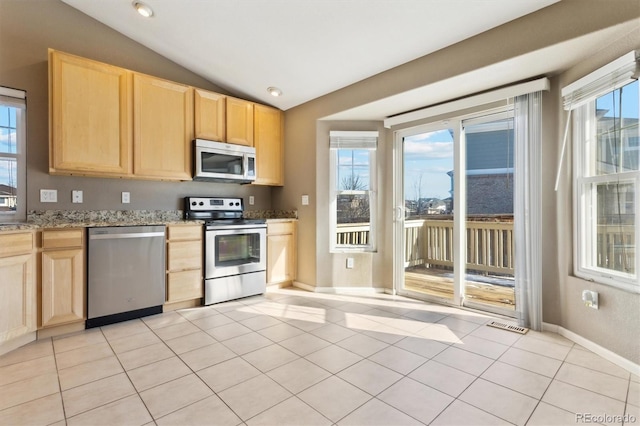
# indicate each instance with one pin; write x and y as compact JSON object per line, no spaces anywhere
{"x":594,"y":347}
{"x":340,"y":290}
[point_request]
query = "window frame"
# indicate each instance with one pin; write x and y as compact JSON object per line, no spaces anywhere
{"x":17,"y":99}
{"x":585,"y":183}
{"x":334,"y":192}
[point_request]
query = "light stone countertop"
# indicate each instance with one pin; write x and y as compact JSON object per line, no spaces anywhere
{"x":52,"y":219}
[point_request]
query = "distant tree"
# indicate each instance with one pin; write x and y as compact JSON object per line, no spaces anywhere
{"x":352,"y":183}
{"x":417,"y":190}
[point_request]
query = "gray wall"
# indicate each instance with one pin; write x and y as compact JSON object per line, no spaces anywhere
{"x":615,"y":326}
{"x":27,"y":30}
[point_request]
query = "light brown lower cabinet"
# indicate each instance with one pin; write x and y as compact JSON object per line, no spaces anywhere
{"x":18,"y":301}
{"x":281,"y":253}
{"x":184,"y":263}
{"x":63,"y":277}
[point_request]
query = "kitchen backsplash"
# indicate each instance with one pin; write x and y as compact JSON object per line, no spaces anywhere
{"x":270,"y":214}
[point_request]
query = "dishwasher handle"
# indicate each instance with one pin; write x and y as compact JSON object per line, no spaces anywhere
{"x":126,"y":235}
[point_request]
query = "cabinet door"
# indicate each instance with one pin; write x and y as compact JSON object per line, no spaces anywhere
{"x":62,"y":287}
{"x":163,"y":128}
{"x":239,"y":121}
{"x":184,"y":285}
{"x":280,"y":258}
{"x":269,"y":146}
{"x":18,"y":303}
{"x":90,"y":117}
{"x":184,"y":255}
{"x":210,"y":115}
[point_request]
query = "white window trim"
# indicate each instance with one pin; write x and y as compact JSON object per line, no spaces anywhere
{"x":17,"y":99}
{"x":352,"y":140}
{"x":583,"y":237}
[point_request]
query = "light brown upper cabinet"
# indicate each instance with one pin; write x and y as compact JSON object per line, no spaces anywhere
{"x":162,"y":128}
{"x":90,"y":117}
{"x":269,"y":145}
{"x":210,"y":115}
{"x":239,"y":121}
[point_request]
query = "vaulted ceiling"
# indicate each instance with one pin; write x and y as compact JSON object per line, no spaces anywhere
{"x":307,"y":48}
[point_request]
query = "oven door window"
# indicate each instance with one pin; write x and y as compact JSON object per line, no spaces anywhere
{"x":226,"y":164}
{"x":237,"y":249}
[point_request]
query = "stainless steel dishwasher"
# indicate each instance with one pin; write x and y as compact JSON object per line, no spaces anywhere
{"x":125,"y":273}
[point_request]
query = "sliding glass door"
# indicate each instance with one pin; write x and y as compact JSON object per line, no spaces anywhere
{"x":427,"y":206}
{"x":454,"y":195}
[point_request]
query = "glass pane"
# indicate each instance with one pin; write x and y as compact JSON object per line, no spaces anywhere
{"x":237,"y":249}
{"x":8,"y":184}
{"x":428,"y":225}
{"x":353,"y":170}
{"x":490,"y":272}
{"x":353,"y":212}
{"x":617,"y":116}
{"x":8,"y":130}
{"x":615,"y":226}
{"x":353,"y":219}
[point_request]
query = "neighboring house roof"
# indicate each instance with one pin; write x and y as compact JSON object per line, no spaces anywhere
{"x":7,"y":190}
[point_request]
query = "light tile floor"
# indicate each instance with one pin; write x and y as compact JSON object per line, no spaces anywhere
{"x":291,"y":357}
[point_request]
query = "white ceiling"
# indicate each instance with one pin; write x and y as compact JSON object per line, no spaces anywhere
{"x":307,"y":48}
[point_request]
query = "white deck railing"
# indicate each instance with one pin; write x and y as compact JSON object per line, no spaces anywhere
{"x":490,"y":245}
{"x":430,"y":242}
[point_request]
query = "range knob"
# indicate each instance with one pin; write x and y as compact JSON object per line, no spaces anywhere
{"x":193,"y":203}
{"x":237,"y":203}
{"x":201,"y":203}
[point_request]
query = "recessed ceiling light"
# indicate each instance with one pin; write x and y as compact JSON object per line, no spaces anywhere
{"x":274,"y":91}
{"x":143,"y":9}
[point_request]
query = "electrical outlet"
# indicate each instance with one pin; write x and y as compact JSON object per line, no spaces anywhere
{"x":126,"y":197}
{"x":349,"y":262}
{"x":252,"y":200}
{"x":590,"y":299}
{"x":76,"y":196}
{"x":305,"y":200}
{"x":48,"y":195}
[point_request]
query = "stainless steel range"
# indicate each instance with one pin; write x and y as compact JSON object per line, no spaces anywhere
{"x":235,"y":253}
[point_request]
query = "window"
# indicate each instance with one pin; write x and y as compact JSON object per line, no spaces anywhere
{"x":12,"y":155}
{"x":353,"y":190}
{"x":607,"y":182}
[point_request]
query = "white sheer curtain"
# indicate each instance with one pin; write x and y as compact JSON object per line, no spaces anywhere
{"x":527,"y":209}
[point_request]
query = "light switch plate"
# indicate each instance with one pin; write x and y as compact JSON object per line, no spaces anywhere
{"x":48,"y":195}
{"x":76,"y":196}
{"x":305,"y":200}
{"x":126,"y":197}
{"x":252,"y":200}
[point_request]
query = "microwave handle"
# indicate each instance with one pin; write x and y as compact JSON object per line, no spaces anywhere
{"x":249,"y":172}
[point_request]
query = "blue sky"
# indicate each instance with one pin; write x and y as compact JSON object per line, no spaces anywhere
{"x":354,"y":161}
{"x":629,"y":101}
{"x":430,"y":156}
{"x":7,"y":145}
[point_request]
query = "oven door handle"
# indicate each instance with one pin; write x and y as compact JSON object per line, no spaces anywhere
{"x":224,"y":227}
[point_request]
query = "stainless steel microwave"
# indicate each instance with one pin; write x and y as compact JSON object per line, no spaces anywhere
{"x":223,"y":162}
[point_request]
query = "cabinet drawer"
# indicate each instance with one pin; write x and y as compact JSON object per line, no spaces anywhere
{"x":184,"y":285}
{"x":280,"y":228}
{"x":184,"y":233}
{"x":13,"y":244}
{"x":183,"y":255}
{"x":63,"y":238}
